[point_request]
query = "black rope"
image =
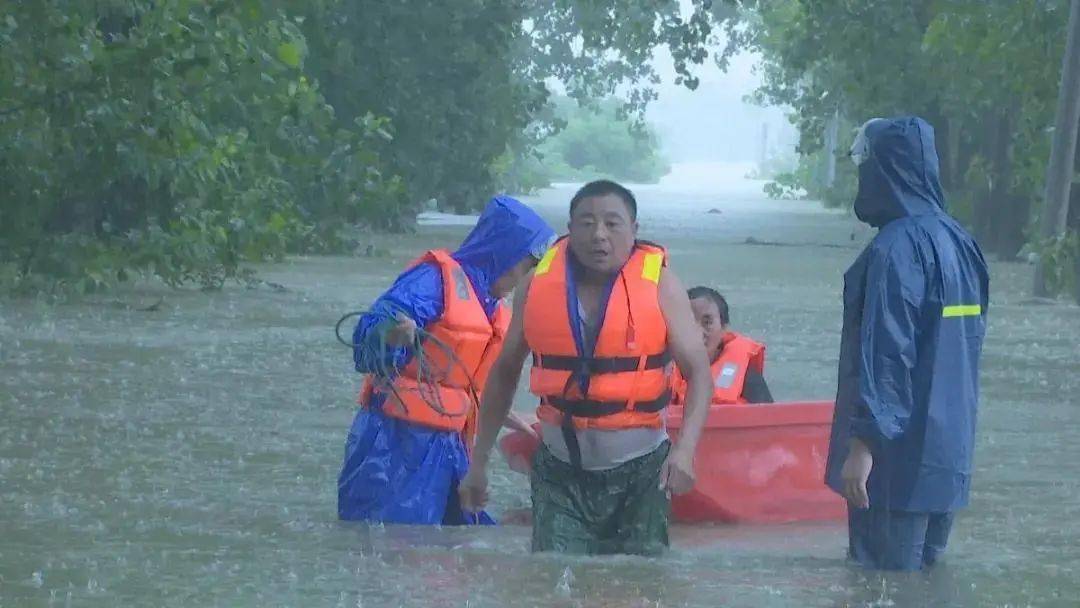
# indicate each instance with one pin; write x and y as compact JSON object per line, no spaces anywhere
{"x":426,"y":373}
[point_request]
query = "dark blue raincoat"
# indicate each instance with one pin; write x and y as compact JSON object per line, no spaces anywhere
{"x":397,"y":472}
{"x":915,"y":304}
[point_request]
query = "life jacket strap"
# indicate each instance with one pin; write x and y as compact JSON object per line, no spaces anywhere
{"x":592,"y":366}
{"x":589,"y":408}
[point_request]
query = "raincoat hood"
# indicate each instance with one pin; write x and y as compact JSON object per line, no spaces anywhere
{"x":506,"y":233}
{"x":899,"y":176}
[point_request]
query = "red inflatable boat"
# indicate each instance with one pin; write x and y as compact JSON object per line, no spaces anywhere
{"x":755,"y":463}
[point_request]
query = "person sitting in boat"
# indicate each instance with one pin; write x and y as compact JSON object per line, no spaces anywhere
{"x":738,"y":362}
{"x":409,"y":443}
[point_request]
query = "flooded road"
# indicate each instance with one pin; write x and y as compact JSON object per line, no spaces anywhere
{"x":187,"y":456}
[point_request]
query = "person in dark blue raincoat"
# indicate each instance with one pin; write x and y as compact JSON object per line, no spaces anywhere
{"x":915,"y":305}
{"x":396,"y":471}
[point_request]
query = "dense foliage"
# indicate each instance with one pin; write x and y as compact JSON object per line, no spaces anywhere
{"x":183,"y":137}
{"x":592,"y":141}
{"x":985,"y":73}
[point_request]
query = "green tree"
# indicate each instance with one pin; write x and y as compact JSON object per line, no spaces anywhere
{"x":1059,"y":174}
{"x":183,"y":137}
{"x":464,"y":83}
{"x":599,"y":141}
{"x":983,"y":72}
{"x":176,"y":137}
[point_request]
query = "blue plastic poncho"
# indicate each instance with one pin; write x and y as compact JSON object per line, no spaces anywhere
{"x":915,"y":304}
{"x":397,"y":472}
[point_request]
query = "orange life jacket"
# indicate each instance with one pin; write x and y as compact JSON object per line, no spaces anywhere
{"x":737,"y":355}
{"x":474,"y":341}
{"x":628,"y":377}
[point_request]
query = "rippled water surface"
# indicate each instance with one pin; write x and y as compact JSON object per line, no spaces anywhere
{"x":188,"y":456}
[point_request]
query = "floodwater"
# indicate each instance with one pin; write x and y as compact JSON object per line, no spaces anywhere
{"x":187,"y":455}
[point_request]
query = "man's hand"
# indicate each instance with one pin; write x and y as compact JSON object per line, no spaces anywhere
{"x":677,"y":472}
{"x":855,"y":472}
{"x":473,"y":489}
{"x":403,"y":333}
{"x":495,"y":404}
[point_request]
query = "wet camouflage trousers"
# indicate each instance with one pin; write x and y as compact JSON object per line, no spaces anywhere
{"x":619,"y":510}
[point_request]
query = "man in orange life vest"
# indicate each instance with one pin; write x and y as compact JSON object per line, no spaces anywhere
{"x":602,"y":317}
{"x":404,"y":457}
{"x":738,"y":363}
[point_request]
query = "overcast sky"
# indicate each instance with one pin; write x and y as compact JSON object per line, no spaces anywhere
{"x":714,"y":123}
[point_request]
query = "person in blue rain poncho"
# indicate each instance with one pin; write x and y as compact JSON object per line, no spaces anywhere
{"x":397,"y":470}
{"x":915,"y":305}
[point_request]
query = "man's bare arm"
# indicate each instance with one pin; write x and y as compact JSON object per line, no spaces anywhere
{"x":688,"y":350}
{"x":495,"y":404}
{"x":502,"y":382}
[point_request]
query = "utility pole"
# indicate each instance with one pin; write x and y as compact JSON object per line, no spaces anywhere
{"x":832,"y":134}
{"x":1059,"y":173}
